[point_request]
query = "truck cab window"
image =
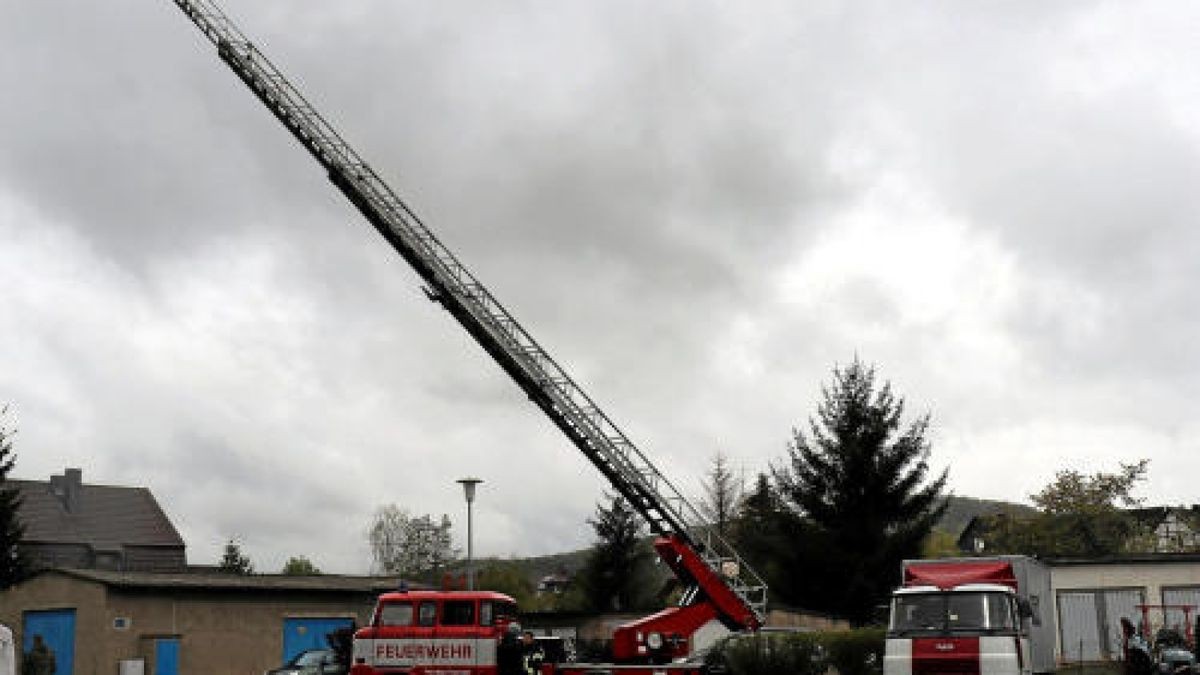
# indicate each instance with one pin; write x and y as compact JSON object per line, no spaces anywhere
{"x":981,"y":611}
{"x":396,"y":614}
{"x":965,"y":611}
{"x":1001,"y":613}
{"x":490,"y":612}
{"x":458,"y":613}
{"x":924,"y":611}
{"x":427,"y":614}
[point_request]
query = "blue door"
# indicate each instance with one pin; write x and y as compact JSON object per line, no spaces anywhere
{"x":166,"y":656}
{"x":57,"y":628}
{"x":309,"y":633}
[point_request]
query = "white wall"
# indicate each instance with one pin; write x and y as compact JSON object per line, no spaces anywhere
{"x":1148,"y":576}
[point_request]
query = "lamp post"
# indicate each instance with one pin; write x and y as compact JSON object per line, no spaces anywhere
{"x":469,"y":492}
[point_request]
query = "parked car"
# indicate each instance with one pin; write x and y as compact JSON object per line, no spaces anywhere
{"x":311,"y":662}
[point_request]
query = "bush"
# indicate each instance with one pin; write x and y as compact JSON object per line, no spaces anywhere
{"x":855,"y":652}
{"x":851,"y":652}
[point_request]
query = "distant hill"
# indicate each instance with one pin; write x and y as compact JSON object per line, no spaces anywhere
{"x":539,"y":566}
{"x":959,"y":512}
{"x":962,"y":509}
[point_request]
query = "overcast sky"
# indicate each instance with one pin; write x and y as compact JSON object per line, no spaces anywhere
{"x":698,"y":208}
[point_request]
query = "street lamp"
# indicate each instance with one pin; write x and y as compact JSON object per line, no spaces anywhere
{"x":469,"y":492}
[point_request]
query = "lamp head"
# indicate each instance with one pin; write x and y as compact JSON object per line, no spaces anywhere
{"x":469,"y":487}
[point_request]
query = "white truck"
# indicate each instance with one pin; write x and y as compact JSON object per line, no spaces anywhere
{"x":971,"y":616}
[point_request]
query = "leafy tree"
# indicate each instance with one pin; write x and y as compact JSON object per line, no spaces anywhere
{"x":409,"y":546}
{"x":860,"y":496}
{"x":234,"y":561}
{"x":299,"y":566}
{"x":14,"y":565}
{"x":1072,"y":492}
{"x":1080,"y":516}
{"x":722,"y":492}
{"x":613,"y":577}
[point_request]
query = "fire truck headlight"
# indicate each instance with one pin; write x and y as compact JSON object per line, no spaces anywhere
{"x":654,"y":641}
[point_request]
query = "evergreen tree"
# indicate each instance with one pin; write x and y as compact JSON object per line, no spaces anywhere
{"x":856,"y":482}
{"x":757,"y":533}
{"x":722,"y":492}
{"x":14,"y":565}
{"x":234,"y":561}
{"x":613,"y":575}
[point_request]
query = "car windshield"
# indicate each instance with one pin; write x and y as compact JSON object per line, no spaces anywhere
{"x":953,"y":611}
{"x":308,"y":658}
{"x":492,"y":610}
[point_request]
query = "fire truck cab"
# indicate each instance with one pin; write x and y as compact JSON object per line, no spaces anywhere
{"x":433,"y":632}
{"x":971,"y":616}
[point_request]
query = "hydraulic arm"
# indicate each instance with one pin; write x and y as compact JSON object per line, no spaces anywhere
{"x":706,"y":563}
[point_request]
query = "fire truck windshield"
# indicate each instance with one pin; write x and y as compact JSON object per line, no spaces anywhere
{"x":954,"y":612}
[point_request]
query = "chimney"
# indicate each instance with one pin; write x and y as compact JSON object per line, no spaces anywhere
{"x":74,"y":490}
{"x":69,"y":489}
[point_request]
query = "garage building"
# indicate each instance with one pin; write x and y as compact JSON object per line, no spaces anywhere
{"x":1091,"y":597}
{"x":100,"y":621}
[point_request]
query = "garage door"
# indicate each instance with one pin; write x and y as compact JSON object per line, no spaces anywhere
{"x":1184,"y":595}
{"x":1090,"y":622}
{"x":1117,"y":604}
{"x":1078,"y":625}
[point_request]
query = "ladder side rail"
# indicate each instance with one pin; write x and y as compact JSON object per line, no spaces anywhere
{"x":211,"y":21}
{"x":602,"y":440}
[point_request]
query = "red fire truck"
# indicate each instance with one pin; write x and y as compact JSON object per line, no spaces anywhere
{"x":721,"y":592}
{"x":442,"y":632}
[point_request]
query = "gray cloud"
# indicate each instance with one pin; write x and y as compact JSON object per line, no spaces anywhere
{"x":698,"y":208}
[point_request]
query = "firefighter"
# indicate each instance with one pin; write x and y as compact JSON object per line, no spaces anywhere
{"x":39,"y":660}
{"x":532,"y":654}
{"x":509,"y":653}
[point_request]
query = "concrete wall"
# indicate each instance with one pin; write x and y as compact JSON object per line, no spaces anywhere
{"x":220,"y":632}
